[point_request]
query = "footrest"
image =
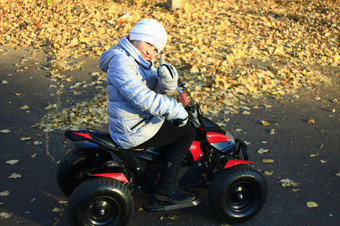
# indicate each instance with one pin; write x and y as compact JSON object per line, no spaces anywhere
{"x":153,"y":205}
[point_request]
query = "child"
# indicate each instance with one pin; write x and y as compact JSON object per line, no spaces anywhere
{"x":140,"y":116}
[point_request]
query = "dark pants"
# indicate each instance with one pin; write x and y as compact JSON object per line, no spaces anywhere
{"x":176,"y":142}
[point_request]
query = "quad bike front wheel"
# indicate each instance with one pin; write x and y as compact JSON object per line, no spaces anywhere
{"x":237,"y":194}
{"x":100,"y":201}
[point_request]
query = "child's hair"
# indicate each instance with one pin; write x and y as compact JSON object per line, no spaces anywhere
{"x":150,"y":31}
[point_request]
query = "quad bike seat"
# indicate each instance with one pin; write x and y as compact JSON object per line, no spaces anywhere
{"x":98,"y":136}
{"x":104,"y":137}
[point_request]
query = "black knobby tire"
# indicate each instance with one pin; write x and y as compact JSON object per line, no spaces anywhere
{"x":70,"y":169}
{"x":237,"y":194}
{"x":100,"y":201}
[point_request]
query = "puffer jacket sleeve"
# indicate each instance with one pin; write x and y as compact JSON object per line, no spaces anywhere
{"x":123,"y":74}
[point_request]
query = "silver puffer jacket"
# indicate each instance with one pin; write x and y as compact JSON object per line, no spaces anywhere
{"x":136,"y":106}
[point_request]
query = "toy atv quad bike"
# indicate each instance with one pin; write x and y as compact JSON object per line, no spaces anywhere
{"x":100,"y":177}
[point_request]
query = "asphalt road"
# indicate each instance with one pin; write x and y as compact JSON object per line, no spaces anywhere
{"x":33,"y":198}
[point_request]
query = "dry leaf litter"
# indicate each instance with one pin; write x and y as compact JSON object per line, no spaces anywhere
{"x":226,"y":51}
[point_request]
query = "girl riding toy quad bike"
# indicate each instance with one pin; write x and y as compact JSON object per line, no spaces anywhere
{"x":100,"y":177}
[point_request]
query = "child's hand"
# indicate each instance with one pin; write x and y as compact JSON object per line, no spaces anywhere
{"x":180,"y":122}
{"x":168,"y":76}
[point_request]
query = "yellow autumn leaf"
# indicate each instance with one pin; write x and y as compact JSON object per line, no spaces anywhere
{"x":337,"y":174}
{"x":50,"y":106}
{"x":25,"y":107}
{"x":5,"y":215}
{"x":267,"y":160}
{"x":313,"y":155}
{"x":311,"y":204}
{"x":269,"y":173}
{"x":261,"y":151}
{"x":14,"y":176}
{"x":311,"y":121}
{"x":12,"y":162}
{"x":25,"y":138}
{"x":265,"y":123}
{"x":56,"y":210}
{"x":194,"y":70}
{"x":288,"y":183}
{"x":5,"y":131}
{"x":4,"y":193}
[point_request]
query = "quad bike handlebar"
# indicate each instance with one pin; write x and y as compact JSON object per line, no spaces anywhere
{"x":191,"y":107}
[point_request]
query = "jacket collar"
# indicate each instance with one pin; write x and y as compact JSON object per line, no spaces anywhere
{"x":132,"y":51}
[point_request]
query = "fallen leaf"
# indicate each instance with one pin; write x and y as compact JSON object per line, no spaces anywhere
{"x":288,"y":183}
{"x":25,"y":107}
{"x":50,"y":106}
{"x":12,"y":162}
{"x":5,"y":215}
{"x":313,"y":155}
{"x":4,"y":82}
{"x":194,"y":70}
{"x":261,"y":151}
{"x":337,"y":174}
{"x":56,"y":210}
{"x":311,"y":204}
{"x":272,"y":132}
{"x":323,"y":161}
{"x":269,"y":173}
{"x":63,"y":202}
{"x":295,"y":189}
{"x":25,"y":138}
{"x":4,"y":193}
{"x":14,"y":176}
{"x":5,"y":131}
{"x":36,"y":142}
{"x":18,"y":94}
{"x":311,"y":121}
{"x":265,"y":123}
{"x":267,"y":160}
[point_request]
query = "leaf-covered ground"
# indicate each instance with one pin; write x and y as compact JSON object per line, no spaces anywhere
{"x":228,"y":51}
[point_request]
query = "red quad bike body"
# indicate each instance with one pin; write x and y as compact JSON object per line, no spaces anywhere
{"x":100,"y":177}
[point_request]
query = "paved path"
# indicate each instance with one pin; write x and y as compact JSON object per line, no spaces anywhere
{"x":34,"y":198}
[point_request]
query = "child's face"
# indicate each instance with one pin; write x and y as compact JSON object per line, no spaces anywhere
{"x":147,"y":50}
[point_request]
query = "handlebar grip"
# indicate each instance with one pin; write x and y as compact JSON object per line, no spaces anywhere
{"x":184,"y":99}
{"x":161,"y":59}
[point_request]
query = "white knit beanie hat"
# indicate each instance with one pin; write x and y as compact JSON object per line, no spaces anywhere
{"x":151,"y":31}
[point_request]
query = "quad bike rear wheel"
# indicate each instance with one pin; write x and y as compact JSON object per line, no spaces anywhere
{"x":70,"y":169}
{"x":237,"y":194}
{"x":100,"y":201}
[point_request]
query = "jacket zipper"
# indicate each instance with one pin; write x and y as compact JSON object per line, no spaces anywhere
{"x":138,"y":124}
{"x":141,"y":122}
